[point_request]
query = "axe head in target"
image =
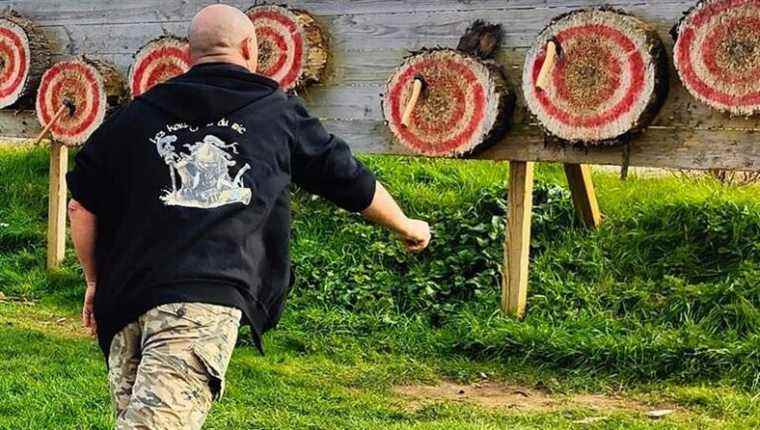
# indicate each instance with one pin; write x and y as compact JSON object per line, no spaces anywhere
{"x":450,"y":102}
{"x":595,"y":76}
{"x":87,"y":88}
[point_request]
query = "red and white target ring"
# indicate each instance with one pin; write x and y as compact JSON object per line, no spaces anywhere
{"x":603,"y":82}
{"x":15,"y":59}
{"x":717,"y":54}
{"x":157,"y":62}
{"x":282,"y":44}
{"x":460,"y":107}
{"x":81,"y":84}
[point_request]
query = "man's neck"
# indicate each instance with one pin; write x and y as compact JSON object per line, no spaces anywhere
{"x":229,"y":59}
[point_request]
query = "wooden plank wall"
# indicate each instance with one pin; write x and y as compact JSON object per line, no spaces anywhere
{"x":370,"y":37}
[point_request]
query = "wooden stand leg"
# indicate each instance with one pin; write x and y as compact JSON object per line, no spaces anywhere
{"x":59,"y":157}
{"x":517,"y":247}
{"x":584,"y":196}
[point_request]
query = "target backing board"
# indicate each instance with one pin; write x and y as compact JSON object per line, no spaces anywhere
{"x":24,"y":56}
{"x":609,"y":80}
{"x":158,"y":61}
{"x":464,"y":105}
{"x":89,"y":87}
{"x":717,"y":54}
{"x":292,"y":48}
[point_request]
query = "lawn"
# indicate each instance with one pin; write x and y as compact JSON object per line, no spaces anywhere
{"x":659,"y":309}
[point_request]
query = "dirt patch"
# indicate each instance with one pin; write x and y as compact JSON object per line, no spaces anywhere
{"x":25,"y":315}
{"x":495,"y":395}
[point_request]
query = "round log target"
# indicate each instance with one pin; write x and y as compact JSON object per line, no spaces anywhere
{"x":87,"y":88}
{"x":463,"y":106}
{"x":717,"y":54}
{"x":158,"y":61}
{"x":24,"y":56}
{"x":292,"y":47}
{"x":608,"y":81}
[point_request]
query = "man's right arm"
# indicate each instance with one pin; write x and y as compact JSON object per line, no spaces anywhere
{"x":385,"y":211}
{"x":323,"y":164}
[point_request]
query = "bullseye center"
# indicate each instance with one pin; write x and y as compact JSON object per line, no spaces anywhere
{"x":6,"y":67}
{"x":442,"y":103}
{"x":586,"y":80}
{"x":741,"y":52}
{"x":266,"y":53}
{"x":71,"y":98}
{"x":436,"y":105}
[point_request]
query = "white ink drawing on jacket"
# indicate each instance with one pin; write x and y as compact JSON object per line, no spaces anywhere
{"x":204,"y":174}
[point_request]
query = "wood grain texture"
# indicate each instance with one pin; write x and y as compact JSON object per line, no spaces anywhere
{"x":514,"y":286}
{"x":369,"y":38}
{"x":56,"y":234}
{"x":584,"y":196}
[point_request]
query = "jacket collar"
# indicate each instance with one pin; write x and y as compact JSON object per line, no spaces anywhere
{"x":229,"y":70}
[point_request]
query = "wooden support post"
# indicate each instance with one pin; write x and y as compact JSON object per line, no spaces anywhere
{"x":514,"y":290}
{"x":56,"y":246}
{"x":584,"y":196}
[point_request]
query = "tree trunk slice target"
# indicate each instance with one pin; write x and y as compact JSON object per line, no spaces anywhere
{"x":24,"y":56}
{"x":717,"y":54}
{"x":89,"y":87}
{"x":292,"y":47}
{"x":464,"y":105}
{"x":609,"y":81}
{"x":158,"y":61}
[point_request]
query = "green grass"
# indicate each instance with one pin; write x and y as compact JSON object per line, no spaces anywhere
{"x":661,"y":305}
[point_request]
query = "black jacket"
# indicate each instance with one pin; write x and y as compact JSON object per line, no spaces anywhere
{"x":189,"y":183}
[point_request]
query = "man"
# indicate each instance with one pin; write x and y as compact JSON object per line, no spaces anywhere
{"x":180,"y":218}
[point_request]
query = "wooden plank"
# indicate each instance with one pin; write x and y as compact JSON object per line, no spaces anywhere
{"x":106,"y":11}
{"x":584,"y":197}
{"x":367,"y":46}
{"x":349,"y":31}
{"x":56,"y":235}
{"x":355,"y":84}
{"x":514,"y":287}
{"x":370,"y":38}
{"x":363,"y":102}
{"x":114,"y":11}
{"x":358,"y":71}
{"x":19,"y":123}
{"x":355,"y":94}
{"x":662,"y":147}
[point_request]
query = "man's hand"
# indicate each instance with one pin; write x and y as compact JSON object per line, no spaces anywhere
{"x":88,"y":310}
{"x":385,"y":211}
{"x":416,"y":235}
{"x":83,"y":231}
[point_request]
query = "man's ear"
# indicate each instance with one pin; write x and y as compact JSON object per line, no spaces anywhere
{"x":246,"y":48}
{"x":250,"y":52}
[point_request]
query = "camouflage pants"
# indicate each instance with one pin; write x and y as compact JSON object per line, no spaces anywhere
{"x":166,"y":368}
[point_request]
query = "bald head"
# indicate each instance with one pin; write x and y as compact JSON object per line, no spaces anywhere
{"x":221,"y":33}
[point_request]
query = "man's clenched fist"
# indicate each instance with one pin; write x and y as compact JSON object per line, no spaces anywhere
{"x":416,"y":235}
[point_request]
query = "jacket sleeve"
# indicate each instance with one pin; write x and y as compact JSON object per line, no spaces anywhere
{"x":89,"y":179}
{"x":323,"y":164}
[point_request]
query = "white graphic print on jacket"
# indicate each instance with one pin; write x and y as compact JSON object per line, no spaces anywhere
{"x":204,"y":174}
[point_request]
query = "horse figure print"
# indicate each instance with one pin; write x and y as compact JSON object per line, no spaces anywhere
{"x":205,"y":179}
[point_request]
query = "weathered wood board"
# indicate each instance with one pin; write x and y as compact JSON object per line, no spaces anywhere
{"x":368,"y":38}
